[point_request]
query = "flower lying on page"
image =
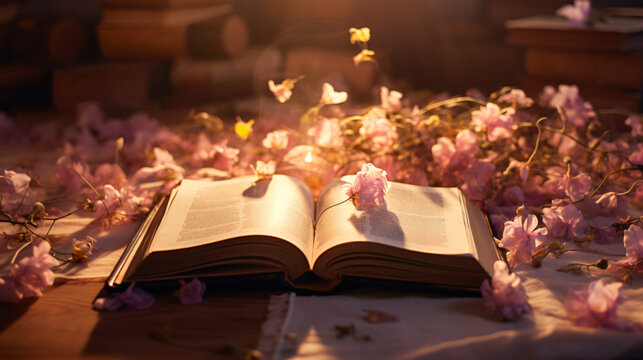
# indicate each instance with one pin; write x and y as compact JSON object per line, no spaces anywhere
{"x":504,"y":295}
{"x":192,"y":292}
{"x":595,"y":306}
{"x":368,"y":188}
{"x":133,"y":298}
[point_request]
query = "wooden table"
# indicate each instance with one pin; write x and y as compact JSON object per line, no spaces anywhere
{"x":62,"y":324}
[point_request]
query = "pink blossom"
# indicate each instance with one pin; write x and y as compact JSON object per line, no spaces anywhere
{"x":523,"y":169}
{"x":633,"y":241}
{"x":377,"y":128}
{"x":505,"y":294}
{"x":327,"y":133}
{"x":564,"y":222}
{"x":576,"y":187}
{"x":133,"y":298}
{"x":577,"y":14}
{"x":517,"y":97}
{"x":107,"y":173}
{"x":390,"y":99}
{"x":545,"y":96}
{"x":595,"y":306}
{"x":164,"y":167}
{"x":576,"y":110}
{"x":466,"y":143}
{"x":109,"y":203}
{"x":610,"y":204}
{"x":29,"y":276}
{"x":135,"y":199}
{"x":68,"y":170}
{"x":14,"y":183}
{"x":637,"y":155}
{"x":192,"y":292}
{"x":522,"y":238}
{"x":443,"y":151}
{"x":477,"y":179}
{"x":282,"y":91}
{"x":634,"y":121}
{"x":217,"y":155}
{"x":369,"y":187}
{"x":497,"y":124}
{"x":277,"y":140}
{"x":330,"y":96}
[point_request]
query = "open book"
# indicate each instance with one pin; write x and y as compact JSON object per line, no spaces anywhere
{"x":243,"y":226}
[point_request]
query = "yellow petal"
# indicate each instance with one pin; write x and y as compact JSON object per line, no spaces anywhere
{"x":363,"y":34}
{"x":243,"y":128}
{"x":364,"y":55}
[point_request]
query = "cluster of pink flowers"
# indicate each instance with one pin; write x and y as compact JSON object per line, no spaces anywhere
{"x":504,"y":295}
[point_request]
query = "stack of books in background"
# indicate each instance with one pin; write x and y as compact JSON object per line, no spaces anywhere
{"x":604,"y":59}
{"x":152,"y":51}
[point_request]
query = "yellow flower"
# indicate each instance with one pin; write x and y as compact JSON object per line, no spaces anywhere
{"x":362,"y":35}
{"x":243,"y":128}
{"x":364,"y":55}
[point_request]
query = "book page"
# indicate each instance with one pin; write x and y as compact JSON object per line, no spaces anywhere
{"x":204,"y":212}
{"x":414,"y":217}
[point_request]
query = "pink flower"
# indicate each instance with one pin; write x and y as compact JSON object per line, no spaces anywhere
{"x":110,"y":202}
{"x":192,"y":292}
{"x":633,"y":241}
{"x":522,"y":237}
{"x":564,"y":222}
{"x":107,"y":173}
{"x":634,"y":121}
{"x":443,"y":151}
{"x":327,"y":133}
{"x":83,"y":249}
{"x":577,"y":14}
{"x":133,"y":298}
{"x":13,"y":183}
{"x":377,"y":128}
{"x":390,"y":99}
{"x":595,"y":306}
{"x":477,"y":179}
{"x":517,"y":97}
{"x":283,"y":91}
{"x":369,"y":187}
{"x":523,"y":169}
{"x":576,"y":110}
{"x":277,"y":140}
{"x":505,"y":295}
{"x":460,"y":155}
{"x":67,"y":170}
{"x":30,"y":275}
{"x":637,"y":155}
{"x":498,"y":125}
{"x":330,"y":96}
{"x":576,"y":187}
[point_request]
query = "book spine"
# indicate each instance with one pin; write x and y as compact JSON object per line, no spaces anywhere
{"x":220,"y":37}
{"x":143,"y":43}
{"x":614,"y":70}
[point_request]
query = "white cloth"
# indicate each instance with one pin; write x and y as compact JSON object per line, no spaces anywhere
{"x":430,"y":326}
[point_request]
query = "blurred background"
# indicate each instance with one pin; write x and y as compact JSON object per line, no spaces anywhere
{"x":141,"y":54}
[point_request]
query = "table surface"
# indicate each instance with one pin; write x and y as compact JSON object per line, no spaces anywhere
{"x":62,"y":324}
